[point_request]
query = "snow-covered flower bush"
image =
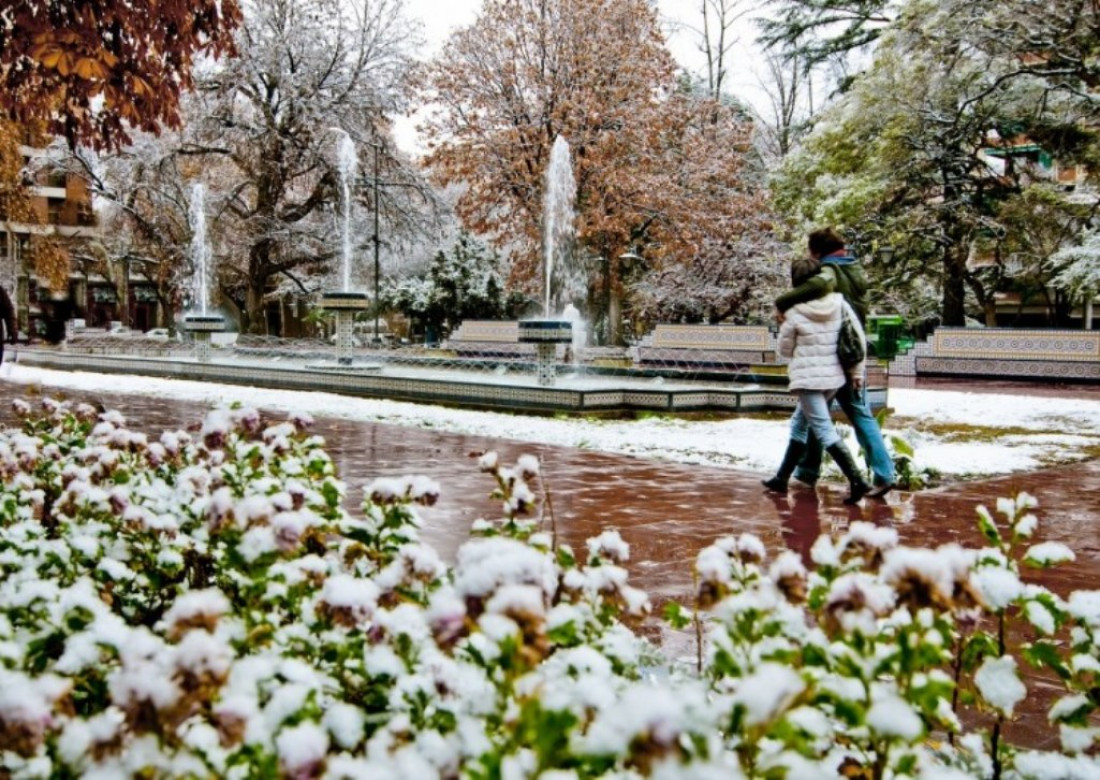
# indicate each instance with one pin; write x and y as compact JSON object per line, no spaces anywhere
{"x":202,"y":605}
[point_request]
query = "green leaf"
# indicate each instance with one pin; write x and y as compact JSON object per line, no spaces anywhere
{"x":566,"y":558}
{"x":1046,"y":654}
{"x":676,"y":616}
{"x":902,"y":447}
{"x":988,"y":526}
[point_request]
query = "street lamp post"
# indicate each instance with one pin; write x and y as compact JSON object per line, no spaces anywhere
{"x":625,"y":263}
{"x":376,"y":241}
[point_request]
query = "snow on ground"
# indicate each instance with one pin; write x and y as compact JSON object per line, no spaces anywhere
{"x":1010,"y":432}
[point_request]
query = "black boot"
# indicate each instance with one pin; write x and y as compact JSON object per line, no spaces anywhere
{"x":857,"y":485}
{"x":793,"y":455}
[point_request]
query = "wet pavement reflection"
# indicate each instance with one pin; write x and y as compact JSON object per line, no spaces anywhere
{"x":669,"y":512}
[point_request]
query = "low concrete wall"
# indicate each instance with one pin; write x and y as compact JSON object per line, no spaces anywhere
{"x":487,"y":394}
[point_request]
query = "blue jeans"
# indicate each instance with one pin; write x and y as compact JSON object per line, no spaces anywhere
{"x":868,"y":434}
{"x":811,"y":420}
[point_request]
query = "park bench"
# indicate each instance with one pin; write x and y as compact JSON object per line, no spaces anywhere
{"x":1005,"y":353}
{"x":707,"y":346}
{"x":488,"y":339}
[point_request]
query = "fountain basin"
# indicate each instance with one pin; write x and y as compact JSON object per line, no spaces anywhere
{"x":347,"y":368}
{"x":204,"y":323}
{"x":545,"y":332}
{"x":345,"y":300}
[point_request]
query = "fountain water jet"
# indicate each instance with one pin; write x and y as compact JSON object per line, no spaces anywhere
{"x":200,"y":250}
{"x":348,"y":162}
{"x":344,"y":303}
{"x":559,"y":229}
{"x":199,"y":322}
{"x":558,"y":237}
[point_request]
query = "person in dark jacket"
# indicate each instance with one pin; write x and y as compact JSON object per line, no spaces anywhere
{"x":841,"y":272}
{"x":808,"y":336}
{"x":7,"y":315}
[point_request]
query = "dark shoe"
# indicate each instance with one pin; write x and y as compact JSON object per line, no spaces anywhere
{"x":856,"y":492}
{"x":775,"y":485}
{"x":880,"y":491}
{"x":806,"y":483}
{"x":778,"y":483}
{"x":857,"y":485}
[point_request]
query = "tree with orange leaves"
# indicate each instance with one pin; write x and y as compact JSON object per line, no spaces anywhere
{"x":46,"y":254}
{"x":659,"y":170}
{"x":90,"y":69}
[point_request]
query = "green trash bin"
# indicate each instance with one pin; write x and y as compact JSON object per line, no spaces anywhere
{"x":886,"y":341}
{"x":884,"y":332}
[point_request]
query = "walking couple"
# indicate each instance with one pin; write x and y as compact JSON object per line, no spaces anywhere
{"x":824,"y":285}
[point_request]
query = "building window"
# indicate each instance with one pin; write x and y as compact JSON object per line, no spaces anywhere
{"x":144,"y":294}
{"x":53,"y":210}
{"x":104,"y":295}
{"x":84,"y":215}
{"x":56,"y":178}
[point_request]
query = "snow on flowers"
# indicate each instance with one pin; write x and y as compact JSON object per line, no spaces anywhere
{"x":204,"y":605}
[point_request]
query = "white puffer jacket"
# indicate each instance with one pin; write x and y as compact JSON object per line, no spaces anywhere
{"x":808,"y":337}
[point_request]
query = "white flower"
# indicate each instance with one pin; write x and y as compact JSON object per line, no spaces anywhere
{"x":302,"y":747}
{"x":767,"y":692}
{"x":999,"y":683}
{"x":1049,"y":554}
{"x":998,"y":587}
{"x":488,"y":461}
{"x":609,"y":545}
{"x":1077,"y":739}
{"x":1067,"y":706}
{"x":1085,"y":606}
{"x":892,"y":716}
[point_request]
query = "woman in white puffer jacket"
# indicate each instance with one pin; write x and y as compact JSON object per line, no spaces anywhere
{"x":808,"y":336}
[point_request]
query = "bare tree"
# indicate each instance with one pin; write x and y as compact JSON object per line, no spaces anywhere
{"x":717,"y":38}
{"x":268,"y":124}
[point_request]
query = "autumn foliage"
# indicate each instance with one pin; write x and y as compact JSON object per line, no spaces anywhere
{"x":46,"y":254}
{"x":660,"y":168}
{"x":94,"y":68}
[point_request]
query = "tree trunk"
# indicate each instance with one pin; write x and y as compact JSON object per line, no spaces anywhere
{"x":254,"y":320}
{"x":254,"y":314}
{"x":615,"y":316}
{"x":989,"y":308}
{"x":954,"y":284}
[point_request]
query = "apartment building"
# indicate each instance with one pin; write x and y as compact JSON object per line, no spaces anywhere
{"x":63,"y":208}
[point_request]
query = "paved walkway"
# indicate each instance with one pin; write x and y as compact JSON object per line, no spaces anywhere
{"x":668,"y":512}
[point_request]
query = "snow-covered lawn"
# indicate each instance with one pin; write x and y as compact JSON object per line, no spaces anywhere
{"x":958,"y":434}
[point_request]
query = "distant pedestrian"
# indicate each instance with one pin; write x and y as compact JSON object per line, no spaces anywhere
{"x":842,"y":273}
{"x":7,"y":315}
{"x":808,"y":336}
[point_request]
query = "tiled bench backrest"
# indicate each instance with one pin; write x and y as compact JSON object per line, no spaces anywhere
{"x":487,"y":330}
{"x":746,"y":337}
{"x":1016,"y":344}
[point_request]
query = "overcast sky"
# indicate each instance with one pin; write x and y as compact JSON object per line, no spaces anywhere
{"x":441,"y":17}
